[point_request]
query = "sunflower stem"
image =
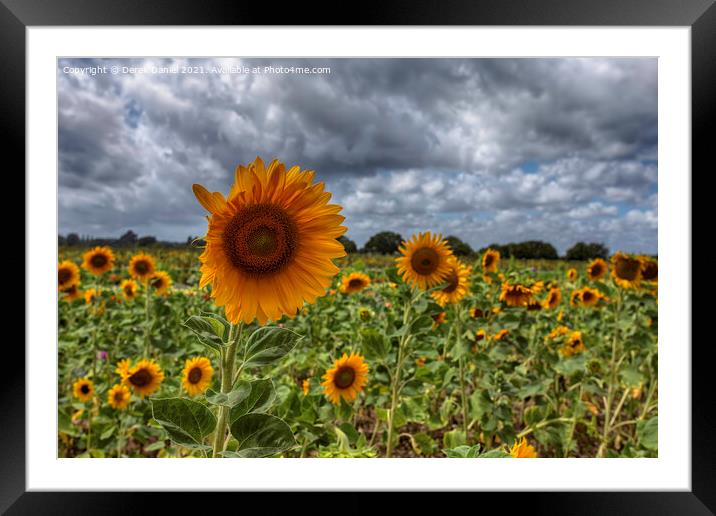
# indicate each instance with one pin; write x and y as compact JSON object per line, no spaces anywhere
{"x":227,"y":374}
{"x":612,"y":379}
{"x":461,"y":364}
{"x":147,"y":321}
{"x":396,"y":382}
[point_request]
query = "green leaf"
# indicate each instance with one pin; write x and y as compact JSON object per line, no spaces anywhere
{"x":494,"y":454}
{"x":261,"y":435}
{"x":454,"y":438}
{"x":648,"y":432}
{"x":375,"y":345}
{"x":462,"y":452}
{"x":268,"y":344}
{"x":230,"y":399}
{"x":260,"y":398}
{"x":210,"y":331}
{"x":187,"y":422}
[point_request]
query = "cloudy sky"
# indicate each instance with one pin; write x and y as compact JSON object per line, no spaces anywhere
{"x":490,"y":150}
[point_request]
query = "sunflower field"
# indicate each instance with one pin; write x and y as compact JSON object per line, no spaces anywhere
{"x":267,"y":340}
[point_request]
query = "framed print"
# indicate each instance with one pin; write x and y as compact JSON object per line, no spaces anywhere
{"x":432,"y":234}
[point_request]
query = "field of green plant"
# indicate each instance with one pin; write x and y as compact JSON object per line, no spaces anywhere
{"x":538,"y":358}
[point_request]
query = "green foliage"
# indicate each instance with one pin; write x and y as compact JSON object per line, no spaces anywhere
{"x":187,"y":422}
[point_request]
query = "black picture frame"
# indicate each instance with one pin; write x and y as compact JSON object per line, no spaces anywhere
{"x":700,"y":15}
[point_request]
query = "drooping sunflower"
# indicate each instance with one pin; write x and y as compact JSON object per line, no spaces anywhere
{"x":346,"y":378}
{"x":83,"y":389}
{"x":142,"y":266}
{"x":118,"y":397}
{"x":458,"y":281}
{"x":98,"y":260}
{"x":196,"y":375}
{"x":572,"y":274}
{"x":574,"y":344}
{"x":523,"y":450}
{"x":626,"y":270}
{"x":129,"y":289}
{"x":72,"y":294}
{"x":597,"y":269}
{"x":68,"y":275}
{"x":554,"y":298}
{"x":649,"y":269}
{"x":424,"y":262}
{"x":144,"y":378}
{"x":270,"y":245}
{"x":515,"y":294}
{"x":490,"y":260}
{"x":589,"y":297}
{"x":160,"y":282}
{"x":354,"y":282}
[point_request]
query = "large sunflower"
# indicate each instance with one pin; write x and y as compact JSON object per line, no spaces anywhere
{"x":68,"y":275}
{"x":597,"y":269}
{"x":129,"y":289}
{"x":523,"y":450}
{"x":626,"y":270}
{"x":554,"y":298}
{"x":270,"y":245}
{"x":98,"y":260}
{"x":346,"y":378}
{"x":142,"y":266}
{"x":160,"y":282}
{"x":83,"y":389}
{"x":354,"y":282}
{"x":196,"y":376}
{"x":144,"y":378}
{"x":424,"y":261}
{"x":490,"y":260}
{"x":515,"y":295}
{"x":649,"y":269}
{"x":118,"y":397}
{"x":458,"y":280}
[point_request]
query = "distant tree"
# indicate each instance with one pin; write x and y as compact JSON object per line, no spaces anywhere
{"x":73,"y":239}
{"x":129,"y":238}
{"x":348,"y":244}
{"x":459,"y":248}
{"x":583,"y":251}
{"x":61,"y":240}
{"x":147,"y":240}
{"x":385,"y":242}
{"x":531,"y":249}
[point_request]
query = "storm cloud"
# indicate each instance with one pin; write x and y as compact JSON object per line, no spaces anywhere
{"x":491,"y":150}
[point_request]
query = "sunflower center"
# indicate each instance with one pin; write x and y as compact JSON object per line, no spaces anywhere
{"x":194,"y":375}
{"x":344,"y":377}
{"x":157,"y":283}
{"x":129,"y":290}
{"x":596,"y":270}
{"x":453,"y":282}
{"x":651,"y":271}
{"x":260,"y":239}
{"x":355,"y":283}
{"x":118,"y":396}
{"x":587,"y":296}
{"x":141,"y":378}
{"x":141,"y":266}
{"x":98,"y":260}
{"x":85,"y":389}
{"x":489,"y":260}
{"x":425,"y":261}
{"x":64,"y":275}
{"x":627,"y":268}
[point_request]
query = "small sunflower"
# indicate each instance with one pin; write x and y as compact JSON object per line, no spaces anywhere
{"x":196,"y":376}
{"x":572,"y":274}
{"x":98,"y":260}
{"x":476,"y":313}
{"x":589,"y":297}
{"x":554,"y":298}
{"x":438,"y":319}
{"x":490,"y":260}
{"x":346,"y":378}
{"x":559,"y":331}
{"x":142,"y":266}
{"x":573,"y":345}
{"x":119,"y":396}
{"x":354,"y":282}
{"x":515,"y":295}
{"x":90,"y":294}
{"x":597,"y":269}
{"x":83,"y":389}
{"x":523,"y":450}
{"x":575,"y":299}
{"x":68,"y":275}
{"x":481,"y":334}
{"x":271,"y":243}
{"x":305,"y":386}
{"x":144,"y":378}
{"x":72,"y":294}
{"x":458,"y":280}
{"x":160,"y":282}
{"x":129,"y":289}
{"x":424,"y":261}
{"x":500,"y":334}
{"x":626,"y":270}
{"x":649,"y":269}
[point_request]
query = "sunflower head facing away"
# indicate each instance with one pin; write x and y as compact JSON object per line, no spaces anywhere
{"x":144,"y":378}
{"x":160,"y":282}
{"x":271,"y":243}
{"x":649,"y":269}
{"x":626,"y":270}
{"x":597,"y":269}
{"x":118,"y":397}
{"x":196,"y":375}
{"x":523,"y":450}
{"x":83,"y":389}
{"x":346,"y":378}
{"x":68,"y":275}
{"x":458,"y":280}
{"x":354,"y":282}
{"x":142,"y":266}
{"x":490,"y":260}
{"x":554,"y":298}
{"x":98,"y":260}
{"x":515,"y":294}
{"x":129,"y":289}
{"x":424,"y":260}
